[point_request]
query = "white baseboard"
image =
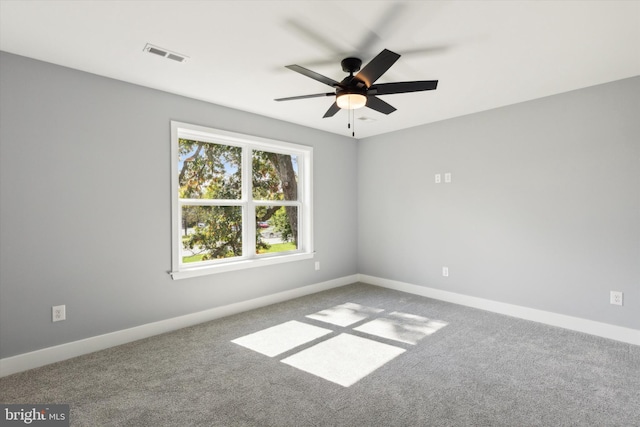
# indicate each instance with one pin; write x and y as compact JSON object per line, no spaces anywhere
{"x":34,"y":359}
{"x":605,"y":330}
{"x":45,"y":356}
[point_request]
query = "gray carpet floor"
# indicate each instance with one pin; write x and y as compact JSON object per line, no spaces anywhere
{"x":480,"y":369}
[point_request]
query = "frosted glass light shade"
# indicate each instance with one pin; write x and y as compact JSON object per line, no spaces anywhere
{"x":351,"y":101}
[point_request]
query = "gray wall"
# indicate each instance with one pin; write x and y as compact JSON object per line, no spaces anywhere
{"x":85,"y":206}
{"x":543,"y":210}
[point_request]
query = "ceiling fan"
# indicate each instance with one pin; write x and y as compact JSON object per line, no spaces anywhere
{"x":360,"y":90}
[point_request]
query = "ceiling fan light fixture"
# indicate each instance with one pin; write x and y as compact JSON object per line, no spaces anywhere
{"x":360,"y":90}
{"x":351,"y":101}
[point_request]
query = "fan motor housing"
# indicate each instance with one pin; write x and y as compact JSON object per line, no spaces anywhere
{"x":351,"y":65}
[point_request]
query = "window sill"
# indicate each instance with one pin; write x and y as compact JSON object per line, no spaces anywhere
{"x":186,"y":273}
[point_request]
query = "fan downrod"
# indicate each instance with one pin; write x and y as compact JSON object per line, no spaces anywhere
{"x":351,"y":65}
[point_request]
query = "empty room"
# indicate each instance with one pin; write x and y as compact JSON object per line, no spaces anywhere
{"x":320,"y":213}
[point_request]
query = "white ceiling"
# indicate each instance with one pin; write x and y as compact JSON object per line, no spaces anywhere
{"x":485,"y":54}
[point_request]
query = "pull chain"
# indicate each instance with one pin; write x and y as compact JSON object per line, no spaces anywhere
{"x":349,"y":113}
{"x":353,"y":119}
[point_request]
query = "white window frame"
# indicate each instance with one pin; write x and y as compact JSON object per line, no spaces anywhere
{"x":249,"y":259}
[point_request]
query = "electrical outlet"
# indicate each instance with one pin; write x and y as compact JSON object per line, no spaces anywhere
{"x":438,"y":178}
{"x":58,"y":313}
{"x":445,"y":271}
{"x":615,"y":297}
{"x":317,"y":265}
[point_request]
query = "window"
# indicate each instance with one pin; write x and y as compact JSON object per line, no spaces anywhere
{"x":238,"y":201}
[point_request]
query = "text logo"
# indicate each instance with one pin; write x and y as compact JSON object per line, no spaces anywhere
{"x":34,"y":415}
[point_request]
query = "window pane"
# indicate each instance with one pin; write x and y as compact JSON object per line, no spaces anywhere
{"x":277,"y":229}
{"x":209,"y":171}
{"x":211,"y":232}
{"x":275,"y":176}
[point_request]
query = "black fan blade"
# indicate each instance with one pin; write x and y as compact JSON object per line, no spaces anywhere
{"x":317,"y":95}
{"x":377,"y":67}
{"x":403,"y":87}
{"x":379,"y":105}
{"x":388,"y":20}
{"x":331,"y":111}
{"x":305,"y":29}
{"x":313,"y":75}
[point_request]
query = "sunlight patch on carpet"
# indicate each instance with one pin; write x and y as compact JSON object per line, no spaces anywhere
{"x":344,"y":314}
{"x":403,"y":327}
{"x":280,"y":338}
{"x":344,"y":359}
{"x":339,"y":356}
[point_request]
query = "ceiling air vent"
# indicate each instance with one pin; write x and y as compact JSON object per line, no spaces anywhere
{"x":165,"y":53}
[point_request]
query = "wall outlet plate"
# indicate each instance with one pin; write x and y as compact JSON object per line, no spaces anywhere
{"x":58,"y":313}
{"x":615,"y":297}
